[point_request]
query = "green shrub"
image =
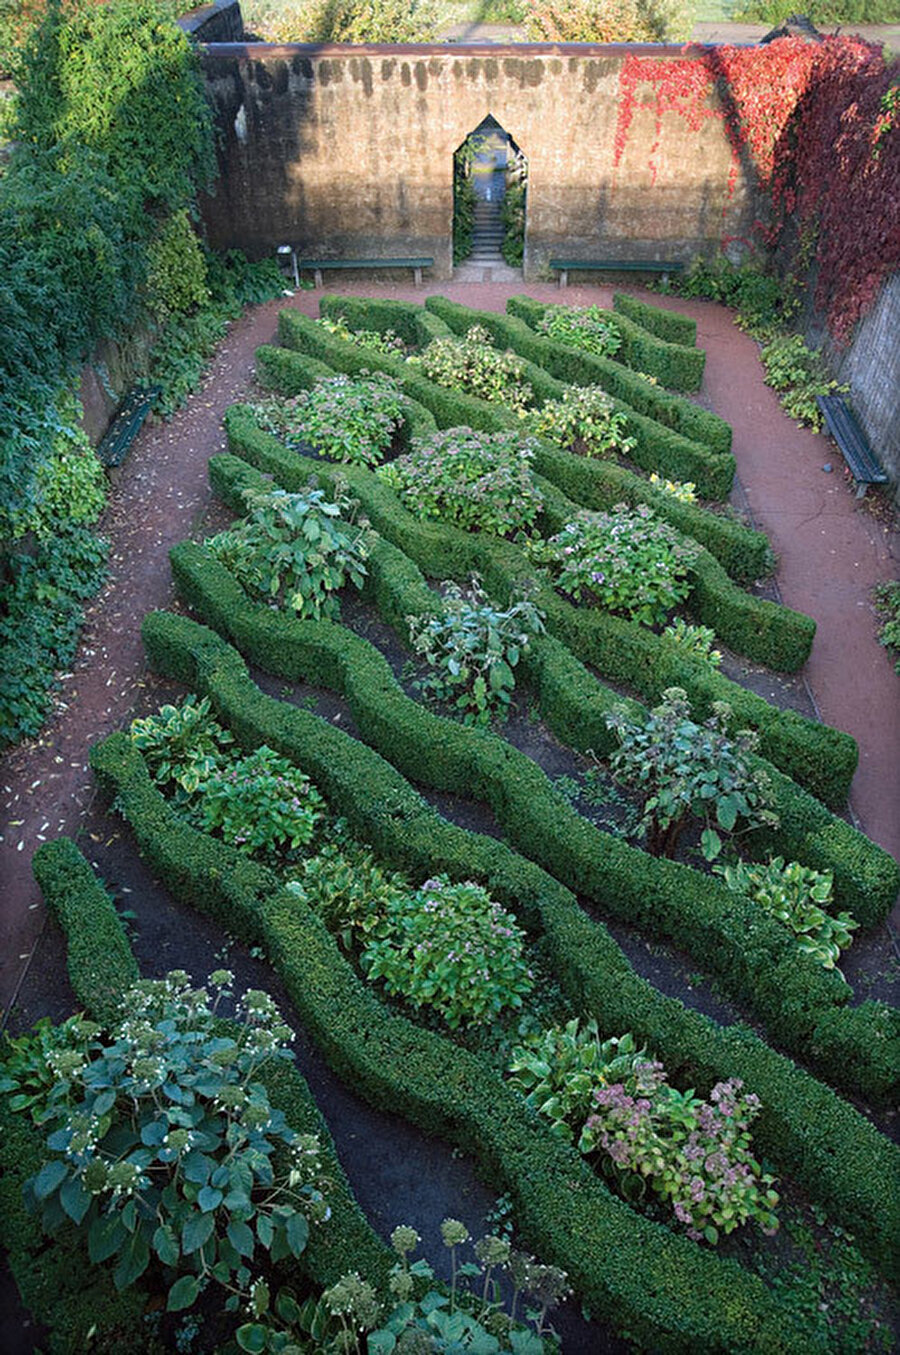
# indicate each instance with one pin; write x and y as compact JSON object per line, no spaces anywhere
{"x":471,"y":364}
{"x":669,"y":325}
{"x":887,"y":605}
{"x":297,"y":549}
{"x":586,"y":327}
{"x":260,"y":803}
{"x":344,"y":419}
{"x":798,"y":897}
{"x":176,"y":270}
{"x":758,"y":298}
{"x":71,"y":485}
{"x":582,"y":421}
{"x":182,"y":743}
{"x":800,"y":374}
{"x":697,"y":641}
{"x":480,"y":481}
{"x":345,"y":21}
{"x":389,"y":342}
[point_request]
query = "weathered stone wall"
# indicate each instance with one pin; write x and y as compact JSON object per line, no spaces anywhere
{"x":348,"y":152}
{"x":221,"y":21}
{"x":871,"y":368}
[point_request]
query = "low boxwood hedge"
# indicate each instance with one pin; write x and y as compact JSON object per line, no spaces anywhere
{"x":834,"y":1152}
{"x":817,"y":757}
{"x":657,"y":448}
{"x":669,"y":325}
{"x":755,"y":958}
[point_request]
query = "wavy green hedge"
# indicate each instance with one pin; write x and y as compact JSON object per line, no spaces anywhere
{"x":755,"y":958}
{"x":669,"y":325}
{"x":656,"y":448}
{"x":832,"y":1150}
{"x":101,"y":966}
{"x":817,"y":757}
{"x":670,"y":1293}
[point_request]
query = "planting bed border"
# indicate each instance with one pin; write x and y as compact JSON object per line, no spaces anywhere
{"x":817,"y":757}
{"x":664,"y":1289}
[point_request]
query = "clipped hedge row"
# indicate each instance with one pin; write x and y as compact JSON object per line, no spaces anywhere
{"x":657,"y":448}
{"x":763,"y":631}
{"x":817,"y":757}
{"x":837,"y":1155}
{"x":669,"y":325}
{"x":101,"y":966}
{"x":755,"y":958}
{"x":670,"y":1293}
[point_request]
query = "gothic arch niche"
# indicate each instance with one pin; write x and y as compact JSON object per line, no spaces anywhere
{"x":490,"y":185}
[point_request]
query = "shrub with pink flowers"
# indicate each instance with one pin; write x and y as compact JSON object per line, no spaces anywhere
{"x":344,"y":418}
{"x":261,"y":802}
{"x":626,"y":561}
{"x":450,"y":947}
{"x":480,"y":481}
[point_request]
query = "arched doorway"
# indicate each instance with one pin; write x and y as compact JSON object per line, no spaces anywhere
{"x":490,"y":184}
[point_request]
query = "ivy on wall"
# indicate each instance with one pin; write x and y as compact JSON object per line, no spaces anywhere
{"x":818,"y":123}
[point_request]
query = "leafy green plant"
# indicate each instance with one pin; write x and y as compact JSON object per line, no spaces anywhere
{"x":626,"y":561}
{"x":166,"y":1148}
{"x":473,"y":365}
{"x":345,"y":884}
{"x":472,"y":648}
{"x":343,"y":21}
{"x":799,"y":897}
{"x":512,"y":214}
{"x":176,"y":271}
{"x":686,"y":769}
{"x":452,"y":948}
{"x":697,"y":641}
{"x":760,"y":300}
{"x":480,"y":481}
{"x":71,"y":484}
{"x":295,"y":550}
{"x":348,"y":1316}
{"x":695,"y":1155}
{"x":887,"y":605}
{"x":800,"y":374}
{"x":345,"y":418}
{"x":29,"y":1063}
{"x":388,"y":342}
{"x":685,"y":491}
{"x":582,"y":421}
{"x":261,"y":802}
{"x":585,"y":327}
{"x":183,"y":743}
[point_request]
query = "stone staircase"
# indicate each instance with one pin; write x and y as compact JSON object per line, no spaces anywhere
{"x":487,"y":234}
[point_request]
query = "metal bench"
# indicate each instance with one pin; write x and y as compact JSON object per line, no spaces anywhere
{"x":318,"y":266}
{"x":567,"y":266}
{"x":127,"y":423}
{"x":842,"y":424}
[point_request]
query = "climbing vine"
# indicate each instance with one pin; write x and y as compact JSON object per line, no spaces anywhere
{"x":818,"y":124}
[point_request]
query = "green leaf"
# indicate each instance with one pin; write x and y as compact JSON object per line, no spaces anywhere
{"x":265,"y":1230}
{"x":51,"y":1175}
{"x":209,"y":1199}
{"x":252,"y":1337}
{"x":105,"y":1236}
{"x":297,"y":1233}
{"x":196,"y":1232}
{"x":381,"y":1342}
{"x":74,"y":1199}
{"x":183,"y":1293}
{"x":710,"y":844}
{"x":165,"y":1244}
{"x":711,"y":1234}
{"x":241,"y":1237}
{"x":133,"y":1261}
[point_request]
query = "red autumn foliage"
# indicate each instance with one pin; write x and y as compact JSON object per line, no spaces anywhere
{"x":812,"y":119}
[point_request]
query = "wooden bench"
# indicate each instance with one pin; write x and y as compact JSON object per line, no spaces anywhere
{"x":319,"y":265}
{"x":842,"y":424}
{"x":127,"y":423}
{"x":567,"y":266}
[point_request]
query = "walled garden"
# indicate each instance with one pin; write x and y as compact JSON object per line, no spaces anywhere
{"x":448,"y":738}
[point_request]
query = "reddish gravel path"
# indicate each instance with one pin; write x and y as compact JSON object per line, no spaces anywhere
{"x":831,"y":554}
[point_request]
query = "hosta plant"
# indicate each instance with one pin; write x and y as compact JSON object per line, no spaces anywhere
{"x":585,"y":327}
{"x":261,"y":802}
{"x":473,"y":365}
{"x":686,"y":770}
{"x":472,"y":649}
{"x":626,"y":560}
{"x":165,"y":1148}
{"x":183,"y":743}
{"x":30,"y":1063}
{"x":582,"y":421}
{"x":295,"y":550}
{"x":450,"y":947}
{"x":617,"y":1103}
{"x":383,"y":342}
{"x":480,"y":481}
{"x":685,"y":491}
{"x":696,"y":641}
{"x":344,"y":418}
{"x":799,"y":897}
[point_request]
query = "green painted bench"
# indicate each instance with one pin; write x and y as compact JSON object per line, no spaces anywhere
{"x":566,"y":266}
{"x":126,"y":424}
{"x":318,"y":266}
{"x":842,"y":424}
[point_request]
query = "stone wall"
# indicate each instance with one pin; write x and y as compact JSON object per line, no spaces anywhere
{"x":871,"y":368}
{"x":348,"y":152}
{"x":221,"y":21}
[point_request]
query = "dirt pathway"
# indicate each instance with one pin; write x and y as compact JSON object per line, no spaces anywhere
{"x":831,"y":554}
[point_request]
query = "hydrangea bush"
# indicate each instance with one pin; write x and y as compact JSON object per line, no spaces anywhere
{"x":473,"y":365}
{"x":798,"y":897}
{"x":344,"y":418}
{"x":480,"y":481}
{"x":585,"y":327}
{"x":165,"y":1148}
{"x":582,"y":421}
{"x":383,"y":342}
{"x":626,"y":561}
